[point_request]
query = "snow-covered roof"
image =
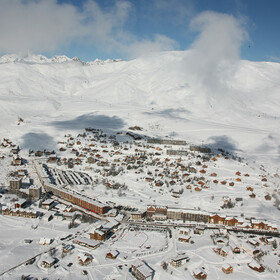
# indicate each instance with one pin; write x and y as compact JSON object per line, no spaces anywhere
{"x":48,"y":201}
{"x":226,"y":266}
{"x":89,"y":242}
{"x":145,"y":270}
{"x":48,"y":260}
{"x":180,"y":257}
{"x":253,"y":263}
{"x":84,"y":256}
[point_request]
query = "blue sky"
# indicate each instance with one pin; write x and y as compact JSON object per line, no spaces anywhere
{"x":126,"y":29}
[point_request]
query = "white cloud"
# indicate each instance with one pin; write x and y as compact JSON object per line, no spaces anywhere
{"x":159,"y":43}
{"x":37,"y":25}
{"x":45,"y":25}
{"x":216,"y":50}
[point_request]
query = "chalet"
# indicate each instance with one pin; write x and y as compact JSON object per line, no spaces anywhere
{"x":98,"y":234}
{"x":179,"y":260}
{"x":137,"y":215}
{"x":159,"y":217}
{"x":45,"y":241}
{"x":252,"y":195}
{"x":222,"y":251}
{"x":67,"y":248}
{"x":158,"y":183}
{"x":184,"y":238}
{"x":175,"y":194}
{"x":184,"y":232}
{"x":199,"y":273}
{"x":271,"y":227}
{"x":231,"y":221}
{"x":48,"y":262}
{"x":17,"y":161}
{"x":198,"y":230}
{"x":142,"y":271}
{"x":235,"y":249}
{"x":216,"y":219}
{"x":48,"y":217}
{"x":15,"y":150}
{"x":92,"y":244}
{"x":52,"y":159}
{"x":256,"y":224}
{"x":267,"y":197}
{"x":48,"y":204}
{"x":84,"y":259}
{"x":254,"y":242}
{"x":152,"y":210}
{"x":256,"y":266}
{"x":112,"y":254}
{"x":38,"y":153}
{"x":20,"y":203}
{"x":250,"y":250}
{"x":227,"y":269}
{"x":149,"y":179}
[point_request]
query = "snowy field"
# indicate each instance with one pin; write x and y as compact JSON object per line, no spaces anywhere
{"x":158,"y":93}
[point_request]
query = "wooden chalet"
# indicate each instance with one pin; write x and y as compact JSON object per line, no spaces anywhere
{"x":67,"y":248}
{"x":142,"y":271}
{"x":256,"y":266}
{"x":92,"y":244}
{"x":231,"y":221}
{"x":199,"y":273}
{"x":48,"y":262}
{"x":20,"y":203}
{"x":98,"y":234}
{"x":17,"y":161}
{"x":138,"y":215}
{"x":179,"y":260}
{"x":216,"y":219}
{"x":256,"y":224}
{"x":184,"y":238}
{"x":227,"y":269}
{"x":221,"y":250}
{"x":112,"y":254}
{"x":84,"y":259}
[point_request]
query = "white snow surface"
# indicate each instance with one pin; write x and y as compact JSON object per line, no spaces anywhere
{"x":164,"y":93}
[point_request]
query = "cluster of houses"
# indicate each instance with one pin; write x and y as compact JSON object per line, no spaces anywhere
{"x":18,"y":208}
{"x":103,"y":232}
{"x":160,"y":213}
{"x":25,"y":213}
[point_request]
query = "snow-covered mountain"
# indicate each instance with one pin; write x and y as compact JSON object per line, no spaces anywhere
{"x":36,"y":59}
{"x":232,"y":105}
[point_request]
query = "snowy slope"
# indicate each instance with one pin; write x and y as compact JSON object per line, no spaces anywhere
{"x":236,"y":108}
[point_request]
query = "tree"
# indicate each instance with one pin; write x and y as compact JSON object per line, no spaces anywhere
{"x":274,"y":244}
{"x":164,"y":265}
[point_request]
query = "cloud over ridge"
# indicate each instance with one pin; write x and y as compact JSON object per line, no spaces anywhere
{"x":47,"y":26}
